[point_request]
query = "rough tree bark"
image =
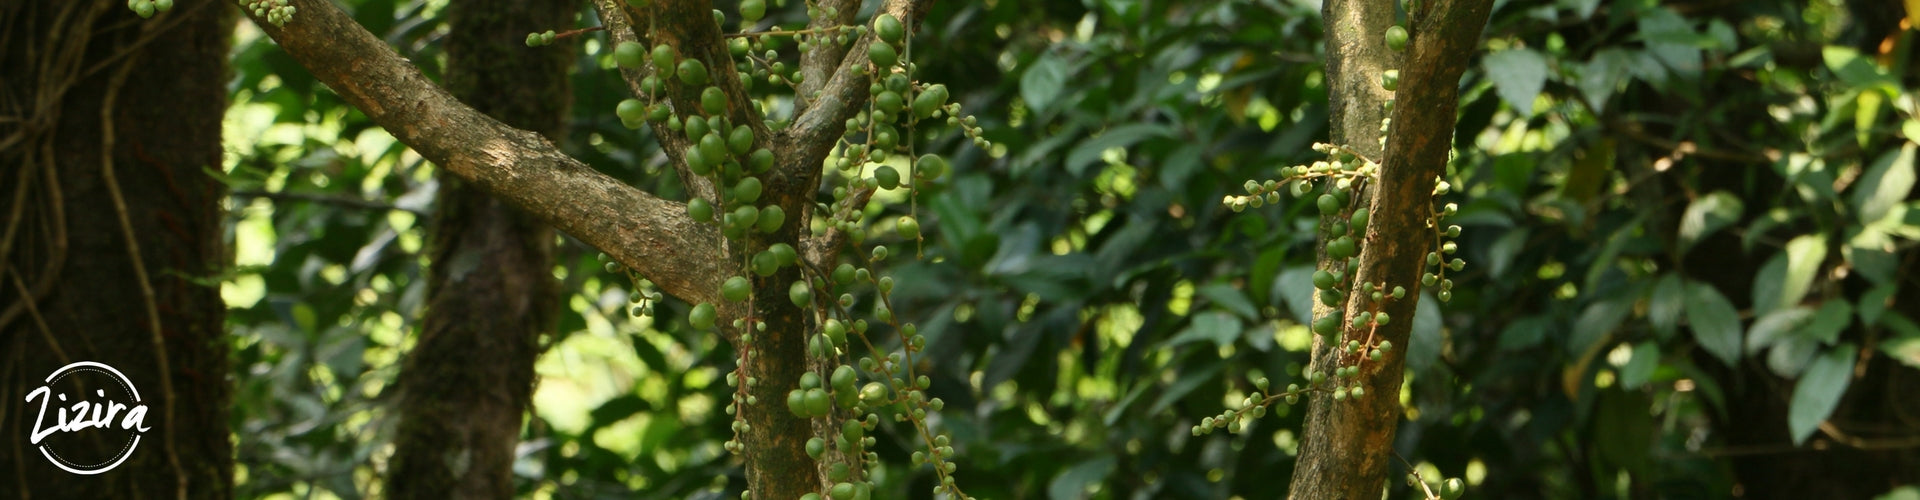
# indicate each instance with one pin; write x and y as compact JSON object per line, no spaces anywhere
{"x":1347,"y":445}
{"x":653,"y":236}
{"x":468,"y":382}
{"x":109,"y":231}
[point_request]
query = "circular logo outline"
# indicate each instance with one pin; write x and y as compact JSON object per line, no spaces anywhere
{"x":125,"y":383}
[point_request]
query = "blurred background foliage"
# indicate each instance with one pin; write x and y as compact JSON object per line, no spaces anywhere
{"x":1690,"y":236}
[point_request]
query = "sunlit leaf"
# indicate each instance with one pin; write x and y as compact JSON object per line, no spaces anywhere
{"x":1518,"y":75}
{"x":1886,"y":183}
{"x":1708,"y":214}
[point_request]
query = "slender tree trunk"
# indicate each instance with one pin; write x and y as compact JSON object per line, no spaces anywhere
{"x":110,"y":230}
{"x":467,"y":385}
{"x":1347,"y":446}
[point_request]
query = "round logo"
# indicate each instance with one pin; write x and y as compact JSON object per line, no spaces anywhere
{"x":97,"y":418}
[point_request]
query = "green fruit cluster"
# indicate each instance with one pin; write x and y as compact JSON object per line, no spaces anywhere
{"x":276,"y":12}
{"x":147,"y":8}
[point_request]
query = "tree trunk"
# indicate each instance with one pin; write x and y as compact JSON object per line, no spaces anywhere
{"x":1347,"y":445}
{"x":110,"y":246}
{"x":468,"y":382}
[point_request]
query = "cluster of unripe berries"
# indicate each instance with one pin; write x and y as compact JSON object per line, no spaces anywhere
{"x":146,"y":8}
{"x":540,"y":39}
{"x":277,"y":12}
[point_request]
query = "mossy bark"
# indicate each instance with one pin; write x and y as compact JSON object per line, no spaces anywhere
{"x":468,"y":383}
{"x":110,"y":230}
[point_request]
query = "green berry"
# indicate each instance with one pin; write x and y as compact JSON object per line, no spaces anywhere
{"x":907,"y":227}
{"x":843,"y":275}
{"x":835,"y":331}
{"x":882,"y":55}
{"x":1452,"y":488}
{"x":930,"y":166}
{"x":1323,"y":280}
{"x":1328,"y":204}
{"x":889,"y":28}
{"x":886,"y":177}
{"x":702,"y":316}
{"x":1359,"y":220}
{"x":817,"y":402}
{"x":663,"y":56}
{"x":751,"y":11}
{"x":929,"y":100}
{"x":713,"y":147}
{"x":760,"y":160}
{"x":889,"y":102}
{"x":630,"y":55}
{"x":713,"y":101}
{"x":797,"y":403}
{"x":747,"y":190}
{"x":631,"y":110}
{"x":696,"y":161}
{"x":1396,"y":38}
{"x":770,"y":220}
{"x":1390,"y":80}
{"x":1342,"y":247}
{"x":691,"y":72}
{"x":740,"y":140}
{"x":800,"y":294}
{"x":698,"y":127}
{"x":765,"y":264}
{"x":873,"y":393}
{"x":816,"y":446}
{"x":736,"y":289}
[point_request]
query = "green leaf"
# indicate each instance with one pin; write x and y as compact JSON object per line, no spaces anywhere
{"x":1072,"y":484}
{"x":1776,"y":326}
{"x":1770,"y":285}
{"x":1874,"y":303}
{"x":1819,"y":391}
{"x":1518,"y":75}
{"x":1714,"y":321}
{"x":1217,"y":326}
{"x":1903,"y":492}
{"x":1603,"y":75}
{"x":1663,"y":309}
{"x":1639,"y":369}
{"x":1858,"y":71}
{"x":1188,"y":381}
{"x":1295,"y":287}
{"x":1886,"y":183}
{"x":1790,"y":357}
{"x":1426,"y":341}
{"x":1122,"y":136}
{"x":1595,"y":322}
{"x":1708,"y":214}
{"x":1834,"y":316}
{"x":1043,"y":82}
{"x":1672,"y":40}
{"x":1231,"y":298}
{"x":1525,"y":332}
{"x":1804,"y":256}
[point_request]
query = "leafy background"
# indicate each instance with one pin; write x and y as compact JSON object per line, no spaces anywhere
{"x":1690,"y":238}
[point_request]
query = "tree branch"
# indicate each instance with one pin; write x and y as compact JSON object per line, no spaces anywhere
{"x":1347,"y":450}
{"x":821,"y":63}
{"x":616,"y":19}
{"x":641,"y":231}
